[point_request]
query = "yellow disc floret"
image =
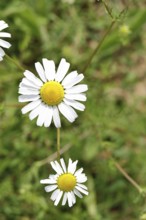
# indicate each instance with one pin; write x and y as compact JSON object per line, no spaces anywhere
{"x":52,"y":93}
{"x":66,"y":182}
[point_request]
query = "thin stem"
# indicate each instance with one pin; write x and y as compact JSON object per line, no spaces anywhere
{"x":58,"y":143}
{"x":125,"y":174}
{"x":13,"y":61}
{"x":99,"y":45}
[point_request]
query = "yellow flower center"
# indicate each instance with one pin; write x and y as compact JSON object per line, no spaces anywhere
{"x":66,"y":182}
{"x":52,"y":93}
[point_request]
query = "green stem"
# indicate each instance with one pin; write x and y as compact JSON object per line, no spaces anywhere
{"x":125,"y":174}
{"x":13,"y":61}
{"x":58,"y":143}
{"x":98,"y":46}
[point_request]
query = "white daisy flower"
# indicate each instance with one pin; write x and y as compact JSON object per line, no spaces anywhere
{"x":3,"y":43}
{"x":54,"y":92}
{"x":67,"y":183}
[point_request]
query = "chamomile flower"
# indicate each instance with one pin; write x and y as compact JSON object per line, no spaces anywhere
{"x":51,"y":93}
{"x":67,"y":183}
{"x":3,"y":43}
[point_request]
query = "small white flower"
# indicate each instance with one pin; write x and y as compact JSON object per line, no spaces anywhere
{"x":67,"y":183}
{"x":3,"y":43}
{"x":52,"y":93}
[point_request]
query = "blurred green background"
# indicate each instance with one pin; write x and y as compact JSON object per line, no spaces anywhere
{"x":113,"y":124}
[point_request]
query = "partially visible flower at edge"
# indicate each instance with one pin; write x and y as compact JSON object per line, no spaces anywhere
{"x":54,"y":92}
{"x":66,"y":183}
{"x":3,"y":43}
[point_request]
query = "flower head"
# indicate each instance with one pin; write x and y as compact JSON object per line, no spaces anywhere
{"x":3,"y":43}
{"x":52,"y":92}
{"x":66,"y":183}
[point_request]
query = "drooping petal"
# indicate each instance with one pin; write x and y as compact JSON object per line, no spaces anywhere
{"x":56,"y":117}
{"x":77,"y":193}
{"x":62,"y":70}
{"x":58,"y":198}
{"x":42,"y":115}
{"x":70,"y":199}
{"x":68,"y":112}
{"x":55,"y":194}
{"x":49,"y":116}
{"x":64,"y":198}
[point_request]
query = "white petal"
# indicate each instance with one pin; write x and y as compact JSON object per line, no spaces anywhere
{"x":63,"y":164}
{"x":55,"y":167}
{"x":55,"y":194}
{"x":64,"y":198}
{"x":68,"y":112}
{"x":49,"y":115}
{"x":29,"y":83}
{"x":81,"y":178}
{"x":26,"y":91}
{"x":70,"y":199}
{"x":2,"y":53}
{"x":30,"y":106}
{"x":5,"y":34}
{"x":40,"y":71}
{"x":77,"y":105}
{"x":77,"y":89}
{"x":28,"y":98}
{"x":58,"y":167}
{"x":56,"y":117}
{"x":3,"y":25}
{"x":49,"y":67}
{"x":78,"y":172}
{"x":58,"y":198}
{"x":4,"y":44}
{"x":77,"y":193}
{"x":79,"y":97}
{"x":47,"y":181}
{"x":73,"y":197}
{"x":72,"y":167}
{"x":82,"y":186}
{"x":35,"y":112}
{"x":74,"y":81}
{"x":32,"y":78}
{"x":42,"y":115}
{"x":68,"y":79}
{"x":50,"y":188}
{"x":62,"y":70}
{"x":81,"y":190}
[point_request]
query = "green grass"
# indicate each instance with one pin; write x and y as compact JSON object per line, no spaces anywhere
{"x":112,"y":126}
